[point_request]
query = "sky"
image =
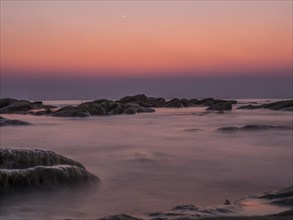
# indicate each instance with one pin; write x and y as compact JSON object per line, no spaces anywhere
{"x":89,"y":49}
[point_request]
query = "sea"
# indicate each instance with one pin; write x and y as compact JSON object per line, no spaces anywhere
{"x":153,"y":161}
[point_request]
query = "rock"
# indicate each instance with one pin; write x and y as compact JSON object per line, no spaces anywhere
{"x":222,"y":106}
{"x":17,"y":106}
{"x":248,"y":107}
{"x":37,"y":103}
{"x":253,"y":128}
{"x":44,"y":112}
{"x":120,"y":217}
{"x":6,"y":101}
{"x":280,"y":105}
{"x":287,"y":109}
{"x":155,"y":102}
{"x":136,"y":98}
{"x":27,"y":168}
{"x":228,"y":129}
{"x":70,"y":111}
{"x":205,"y":102}
{"x":174,"y":103}
{"x":6,"y":121}
{"x":227,"y":202}
{"x":192,"y":102}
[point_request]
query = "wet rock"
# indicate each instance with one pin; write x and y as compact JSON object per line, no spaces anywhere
{"x":17,"y":106}
{"x":155,"y":102}
{"x":70,"y":111}
{"x":205,"y":102}
{"x":248,"y":107}
{"x":193,"y":102}
{"x":120,"y":217}
{"x":253,"y":128}
{"x":283,"y":196}
{"x":43,"y":112}
{"x":222,"y":106}
{"x":27,"y":168}
{"x":174,"y":103}
{"x":136,"y":98}
{"x":227,"y":202}
{"x":14,"y":122}
{"x":6,"y":101}
{"x":280,"y":105}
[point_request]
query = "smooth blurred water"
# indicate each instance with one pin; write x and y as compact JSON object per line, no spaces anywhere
{"x":153,"y":161}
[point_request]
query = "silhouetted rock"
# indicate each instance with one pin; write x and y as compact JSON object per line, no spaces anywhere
{"x":253,"y":128}
{"x":174,"y":103}
{"x":26,"y":168}
{"x":221,"y":106}
{"x":280,"y":105}
{"x":205,"y":102}
{"x":155,"y":102}
{"x":136,"y":98}
{"x":43,"y":112}
{"x":17,"y":106}
{"x":6,"y":101}
{"x":193,"y":102}
{"x":248,"y":107}
{"x":6,"y":122}
{"x":120,"y":217}
{"x":70,"y":111}
{"x":227,"y":202}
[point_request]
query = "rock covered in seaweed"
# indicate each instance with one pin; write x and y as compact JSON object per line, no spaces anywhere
{"x":6,"y":122}
{"x":27,"y":168}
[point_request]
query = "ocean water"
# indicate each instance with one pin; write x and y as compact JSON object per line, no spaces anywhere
{"x":153,"y":161}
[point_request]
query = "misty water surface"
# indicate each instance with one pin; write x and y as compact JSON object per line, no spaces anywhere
{"x":154,"y":161}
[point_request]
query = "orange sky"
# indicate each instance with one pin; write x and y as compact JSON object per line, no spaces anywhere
{"x":142,"y":38}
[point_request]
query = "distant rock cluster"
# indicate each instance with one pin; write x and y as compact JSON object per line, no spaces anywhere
{"x":286,"y":105}
{"x":126,"y":105}
{"x":34,"y":168}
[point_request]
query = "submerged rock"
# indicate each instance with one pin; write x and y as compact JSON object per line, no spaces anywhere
{"x":6,"y":121}
{"x":253,"y":127}
{"x":26,"y":168}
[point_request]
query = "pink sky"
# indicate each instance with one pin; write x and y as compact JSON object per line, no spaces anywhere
{"x":120,"y":38}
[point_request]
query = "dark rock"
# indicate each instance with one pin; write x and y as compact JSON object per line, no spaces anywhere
{"x":248,"y":107}
{"x":6,"y":121}
{"x":6,"y":101}
{"x":155,"y":102}
{"x":228,"y":129}
{"x":192,"y":102}
{"x":205,"y":102}
{"x":136,"y":98}
{"x":37,"y":103}
{"x":17,"y":106}
{"x":120,"y":217}
{"x":253,"y":128}
{"x":174,"y":103}
{"x":40,"y":113}
{"x":280,"y":105}
{"x":70,"y":111}
{"x":227,"y":202}
{"x":222,"y":106}
{"x":26,"y":168}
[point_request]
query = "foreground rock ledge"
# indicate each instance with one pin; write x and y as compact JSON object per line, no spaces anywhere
{"x":282,"y":198}
{"x":34,"y":168}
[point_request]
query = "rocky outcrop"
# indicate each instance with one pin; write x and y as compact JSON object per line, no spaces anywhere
{"x":70,"y":111}
{"x":6,"y":122}
{"x":253,"y":127}
{"x":286,"y":105}
{"x":8,"y":105}
{"x":26,"y":168}
{"x":221,"y":106}
{"x":281,"y":199}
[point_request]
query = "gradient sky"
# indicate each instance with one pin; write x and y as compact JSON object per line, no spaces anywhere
{"x":62,"y":41}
